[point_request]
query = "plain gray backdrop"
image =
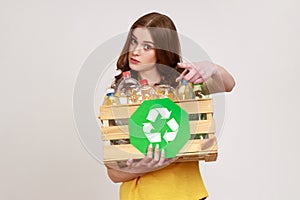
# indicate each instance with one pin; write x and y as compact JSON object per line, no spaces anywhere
{"x":45,"y":43}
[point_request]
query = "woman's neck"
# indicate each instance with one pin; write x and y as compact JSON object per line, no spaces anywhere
{"x":152,"y":76}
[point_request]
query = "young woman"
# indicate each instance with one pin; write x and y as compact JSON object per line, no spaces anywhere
{"x":152,"y":52}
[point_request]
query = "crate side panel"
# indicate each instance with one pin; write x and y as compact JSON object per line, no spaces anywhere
{"x":112,"y":132}
{"x":123,"y":152}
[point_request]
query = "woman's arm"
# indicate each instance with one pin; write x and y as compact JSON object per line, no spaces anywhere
{"x":221,"y":81}
{"x":121,"y":176}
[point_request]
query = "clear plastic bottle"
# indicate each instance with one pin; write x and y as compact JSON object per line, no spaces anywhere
{"x":146,"y":92}
{"x":111,"y":99}
{"x":184,"y":90}
{"x":166,"y":91}
{"x":127,"y":89}
{"x":199,"y":91}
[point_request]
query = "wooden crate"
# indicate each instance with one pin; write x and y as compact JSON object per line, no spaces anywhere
{"x":201,"y":146}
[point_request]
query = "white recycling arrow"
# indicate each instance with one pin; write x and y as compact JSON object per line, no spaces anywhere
{"x":173,"y":124}
{"x":152,"y":137}
{"x":164,"y":112}
{"x":152,"y":116}
{"x":147,"y":127}
{"x":170,"y":136}
{"x":153,"y":113}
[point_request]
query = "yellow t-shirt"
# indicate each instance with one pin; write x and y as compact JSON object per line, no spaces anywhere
{"x":180,"y":181}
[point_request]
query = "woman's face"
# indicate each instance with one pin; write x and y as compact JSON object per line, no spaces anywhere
{"x":141,"y":56}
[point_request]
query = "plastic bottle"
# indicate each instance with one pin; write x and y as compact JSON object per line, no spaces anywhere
{"x":127,"y":89}
{"x":111,"y":99}
{"x":146,"y":92}
{"x":200,"y":91}
{"x":184,"y":90}
{"x":166,"y":91}
{"x":197,"y":89}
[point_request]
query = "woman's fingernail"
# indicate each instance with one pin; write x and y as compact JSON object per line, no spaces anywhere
{"x":157,"y":146}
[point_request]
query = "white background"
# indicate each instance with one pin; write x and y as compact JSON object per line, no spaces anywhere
{"x":45,"y":43}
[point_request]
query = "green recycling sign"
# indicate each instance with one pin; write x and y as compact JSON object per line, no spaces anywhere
{"x":161,"y":122}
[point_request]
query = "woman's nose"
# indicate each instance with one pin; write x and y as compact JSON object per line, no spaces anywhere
{"x":137,"y":50}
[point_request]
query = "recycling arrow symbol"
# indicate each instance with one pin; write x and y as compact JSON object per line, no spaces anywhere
{"x":162,"y":122}
{"x":156,"y":136}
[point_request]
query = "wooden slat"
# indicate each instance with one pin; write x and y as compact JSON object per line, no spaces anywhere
{"x":120,"y":136}
{"x":211,"y":157}
{"x":197,"y":106}
{"x":122,"y":132}
{"x":209,"y":116}
{"x":187,"y":158}
{"x":123,"y":152}
{"x":105,"y":123}
{"x":207,"y":157}
{"x":196,"y":146}
{"x":125,"y":111}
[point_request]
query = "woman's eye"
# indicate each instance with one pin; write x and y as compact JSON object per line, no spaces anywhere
{"x":133,"y":41}
{"x":147,"y":47}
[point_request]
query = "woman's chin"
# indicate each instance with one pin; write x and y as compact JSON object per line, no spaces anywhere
{"x":133,"y":68}
{"x":136,"y":67}
{"x":140,"y":68}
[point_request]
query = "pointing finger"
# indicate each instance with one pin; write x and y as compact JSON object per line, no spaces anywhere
{"x":199,"y":80}
{"x":180,"y":65}
{"x":179,"y":78}
{"x":184,"y":65}
{"x":190,"y":76}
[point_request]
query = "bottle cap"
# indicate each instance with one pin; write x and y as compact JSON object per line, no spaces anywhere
{"x":144,"y":82}
{"x":110,"y":90}
{"x":194,"y":84}
{"x":183,"y":81}
{"x":126,"y":74}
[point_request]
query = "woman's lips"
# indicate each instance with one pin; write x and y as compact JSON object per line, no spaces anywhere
{"x":134,"y":61}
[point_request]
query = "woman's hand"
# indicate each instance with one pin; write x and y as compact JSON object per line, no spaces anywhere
{"x":149,"y":163}
{"x":216,"y":78}
{"x":136,"y":168}
{"x":197,"y":72}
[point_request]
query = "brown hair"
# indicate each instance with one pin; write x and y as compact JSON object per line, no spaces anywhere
{"x":167,"y":46}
